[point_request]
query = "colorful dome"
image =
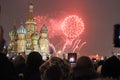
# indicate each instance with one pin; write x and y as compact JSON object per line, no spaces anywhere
{"x":44,"y":29}
{"x":21,"y":30}
{"x":35,"y":36}
{"x":13,"y":32}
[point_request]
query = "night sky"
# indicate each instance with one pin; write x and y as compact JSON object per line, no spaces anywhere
{"x":98,"y":16}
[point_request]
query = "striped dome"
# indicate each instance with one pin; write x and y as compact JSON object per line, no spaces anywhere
{"x":21,"y":30}
{"x":13,"y":32}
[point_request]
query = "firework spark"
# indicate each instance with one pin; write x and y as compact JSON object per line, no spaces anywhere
{"x":76,"y":45}
{"x":63,"y":34}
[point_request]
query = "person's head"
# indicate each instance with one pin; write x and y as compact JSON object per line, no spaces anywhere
{"x":84,"y":69}
{"x":111,"y":67}
{"x":54,"y":72}
{"x":55,"y":61}
{"x":34,"y":59}
{"x":19,"y":60}
{"x":84,"y":62}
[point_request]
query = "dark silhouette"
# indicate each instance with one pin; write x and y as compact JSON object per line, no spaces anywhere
{"x":111,"y":68}
{"x":19,"y":64}
{"x":7,"y":71}
{"x":2,"y":41}
{"x":84,"y":69}
{"x":99,"y":66}
{"x":34,"y":60}
{"x":54,"y":72}
{"x":65,"y":67}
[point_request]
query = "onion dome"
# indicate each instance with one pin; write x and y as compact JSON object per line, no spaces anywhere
{"x":21,"y":30}
{"x":13,"y":32}
{"x":44,"y":29}
{"x":35,"y":36}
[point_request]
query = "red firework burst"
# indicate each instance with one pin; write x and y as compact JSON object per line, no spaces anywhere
{"x":40,"y":20}
{"x":72,"y":26}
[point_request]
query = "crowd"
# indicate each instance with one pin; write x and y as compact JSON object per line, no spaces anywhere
{"x":33,"y":67}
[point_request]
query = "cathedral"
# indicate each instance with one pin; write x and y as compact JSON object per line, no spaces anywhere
{"x":26,"y":39}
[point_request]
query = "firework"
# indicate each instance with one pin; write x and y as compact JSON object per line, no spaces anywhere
{"x":72,"y":26}
{"x":63,"y":34}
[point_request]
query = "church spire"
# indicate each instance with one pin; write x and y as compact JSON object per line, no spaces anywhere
{"x":30,"y":16}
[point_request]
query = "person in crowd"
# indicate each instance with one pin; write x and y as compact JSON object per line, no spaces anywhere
{"x":99,"y":66}
{"x":2,"y":40}
{"x":7,"y":70}
{"x":34,"y":60}
{"x":65,"y":67}
{"x":54,"y":72}
{"x":19,"y":64}
{"x":84,"y":70}
{"x":111,"y":69}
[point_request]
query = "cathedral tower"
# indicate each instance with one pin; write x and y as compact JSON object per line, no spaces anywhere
{"x":44,"y":42}
{"x":31,"y":29}
{"x":21,"y":42}
{"x":12,"y":47}
{"x":30,"y":23}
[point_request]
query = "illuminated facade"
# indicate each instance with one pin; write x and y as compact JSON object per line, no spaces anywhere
{"x":26,"y":39}
{"x":21,"y":42}
{"x":44,"y":43}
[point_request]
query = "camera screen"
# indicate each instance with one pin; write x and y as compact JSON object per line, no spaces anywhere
{"x":72,"y":57}
{"x":72,"y":60}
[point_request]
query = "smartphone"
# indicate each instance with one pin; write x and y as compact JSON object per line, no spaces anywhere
{"x":72,"y":57}
{"x":72,"y":60}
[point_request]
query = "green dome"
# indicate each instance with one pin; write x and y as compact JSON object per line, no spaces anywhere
{"x":13,"y":32}
{"x":35,"y":36}
{"x":44,"y":29}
